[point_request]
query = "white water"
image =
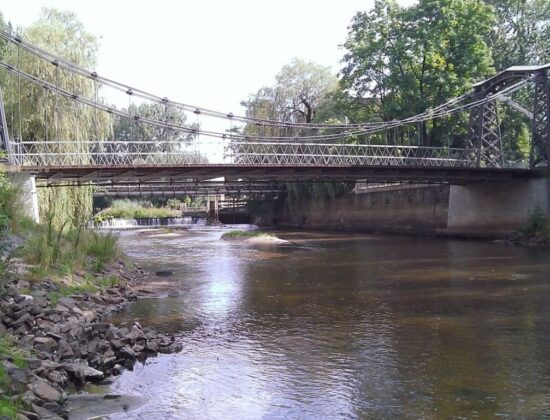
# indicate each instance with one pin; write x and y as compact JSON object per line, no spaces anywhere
{"x":149,"y":222}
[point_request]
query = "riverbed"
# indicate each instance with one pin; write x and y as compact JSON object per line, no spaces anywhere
{"x":342,"y":326}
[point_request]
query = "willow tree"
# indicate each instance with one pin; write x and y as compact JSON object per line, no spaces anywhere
{"x":37,"y":114}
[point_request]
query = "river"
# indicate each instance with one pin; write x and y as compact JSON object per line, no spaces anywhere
{"x":343,"y":326}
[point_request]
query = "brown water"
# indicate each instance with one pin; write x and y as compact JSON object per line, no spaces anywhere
{"x":344,"y":326}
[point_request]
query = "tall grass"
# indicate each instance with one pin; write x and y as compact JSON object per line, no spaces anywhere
{"x":68,"y":249}
{"x":128,"y":209}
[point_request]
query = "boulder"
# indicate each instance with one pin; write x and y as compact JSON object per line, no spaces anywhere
{"x":46,"y":344}
{"x":45,"y":391}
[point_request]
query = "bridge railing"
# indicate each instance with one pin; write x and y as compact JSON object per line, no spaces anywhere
{"x":111,"y":153}
{"x":132,"y":153}
{"x":284,"y":153}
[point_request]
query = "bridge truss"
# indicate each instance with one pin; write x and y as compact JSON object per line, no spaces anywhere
{"x":379,"y":151}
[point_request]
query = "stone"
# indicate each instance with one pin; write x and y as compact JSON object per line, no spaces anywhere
{"x":65,"y":350}
{"x":61,"y":308}
{"x":152,"y":346}
{"x":57,"y":377}
{"x":101,"y":327}
{"x":46,"y":344}
{"x":117,"y":344}
{"x":45,"y":391}
{"x":67,"y":302}
{"x":89,"y":316}
{"x":126,"y":353}
{"x":20,"y":321}
{"x":45,"y":414}
{"x":83,"y":371}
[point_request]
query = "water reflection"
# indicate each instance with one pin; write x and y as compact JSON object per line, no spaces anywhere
{"x":339,"y":326}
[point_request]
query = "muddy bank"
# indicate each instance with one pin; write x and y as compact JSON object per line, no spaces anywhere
{"x":66,"y":342}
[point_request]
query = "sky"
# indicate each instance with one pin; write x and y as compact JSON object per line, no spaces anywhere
{"x":209,"y":53}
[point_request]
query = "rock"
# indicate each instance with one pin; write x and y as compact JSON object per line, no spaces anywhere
{"x":83,"y":371}
{"x":164,"y":273}
{"x":46,"y":391}
{"x":45,"y":414}
{"x":54,"y":408}
{"x":117,"y":344}
{"x":46,"y":344}
{"x":54,"y":335}
{"x":65,"y":350}
{"x":101,"y":327}
{"x":67,"y":302}
{"x":22,"y":415}
{"x":126,"y":353}
{"x":20,"y":321}
{"x":152,"y":346}
{"x":89,"y":316}
{"x":61,"y":308}
{"x":57,"y":377}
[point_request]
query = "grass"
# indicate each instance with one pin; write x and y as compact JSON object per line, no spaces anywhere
{"x":8,"y":408}
{"x":89,"y":285}
{"x":127,"y":209}
{"x":65,"y":251}
{"x":246,"y":234}
{"x":9,"y":350}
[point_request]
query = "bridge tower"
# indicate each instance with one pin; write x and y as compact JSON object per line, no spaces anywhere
{"x":484,"y":134}
{"x":540,"y":140}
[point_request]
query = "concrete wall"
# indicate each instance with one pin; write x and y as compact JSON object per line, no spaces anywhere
{"x":495,"y":208}
{"x":399,"y":208}
{"x":478,"y":210}
{"x":29,"y":196}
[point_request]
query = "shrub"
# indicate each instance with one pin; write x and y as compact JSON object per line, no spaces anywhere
{"x":537,"y":227}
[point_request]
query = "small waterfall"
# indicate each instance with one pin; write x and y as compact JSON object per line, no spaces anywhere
{"x":150,"y":222}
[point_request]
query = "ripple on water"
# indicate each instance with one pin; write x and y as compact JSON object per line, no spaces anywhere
{"x":340,"y":326}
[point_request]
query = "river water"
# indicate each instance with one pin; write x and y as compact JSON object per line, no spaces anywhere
{"x":343,"y":326}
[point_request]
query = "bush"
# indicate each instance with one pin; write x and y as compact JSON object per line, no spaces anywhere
{"x":537,"y":228}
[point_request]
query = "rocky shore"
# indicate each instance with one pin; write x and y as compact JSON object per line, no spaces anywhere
{"x":65,"y":341}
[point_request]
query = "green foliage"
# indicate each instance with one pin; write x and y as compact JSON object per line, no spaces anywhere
{"x":102,"y":247}
{"x":9,"y":350}
{"x":8,"y":409}
{"x":300,"y":88}
{"x":522,"y":32}
{"x":66,"y":250}
{"x":128,"y":209}
{"x":246,"y":234}
{"x":64,"y":35}
{"x":90,"y":284}
{"x":537,"y":228}
{"x":173,"y":203}
{"x":401,"y":61}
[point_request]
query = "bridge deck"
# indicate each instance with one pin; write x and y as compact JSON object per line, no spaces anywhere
{"x":132,"y":174}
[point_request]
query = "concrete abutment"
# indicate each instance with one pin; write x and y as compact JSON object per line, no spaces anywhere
{"x":486,"y":210}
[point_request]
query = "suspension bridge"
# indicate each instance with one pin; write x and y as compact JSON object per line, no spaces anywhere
{"x":262,"y":152}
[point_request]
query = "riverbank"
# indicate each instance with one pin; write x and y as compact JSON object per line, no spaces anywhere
{"x":56,"y":338}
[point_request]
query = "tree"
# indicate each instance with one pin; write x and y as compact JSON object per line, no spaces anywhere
{"x":300,"y":89}
{"x":522,"y":33}
{"x":402,"y":61}
{"x":37,"y":114}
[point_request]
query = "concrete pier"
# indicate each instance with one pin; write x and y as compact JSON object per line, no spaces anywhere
{"x":488,"y":210}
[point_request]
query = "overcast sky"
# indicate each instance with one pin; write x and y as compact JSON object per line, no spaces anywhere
{"x":205,"y":53}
